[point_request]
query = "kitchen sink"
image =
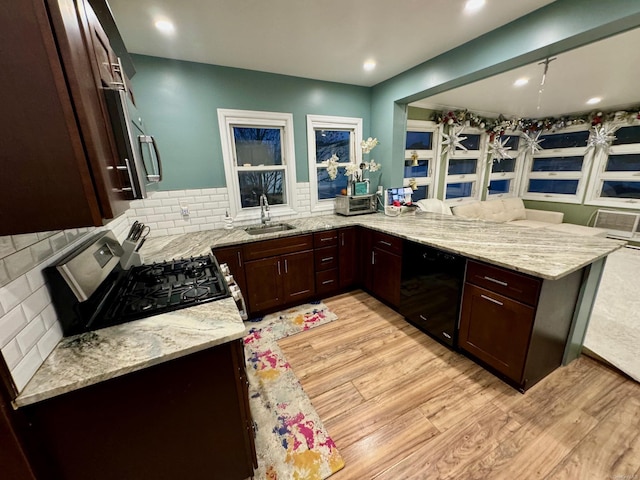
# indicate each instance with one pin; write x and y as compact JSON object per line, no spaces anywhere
{"x":271,"y":228}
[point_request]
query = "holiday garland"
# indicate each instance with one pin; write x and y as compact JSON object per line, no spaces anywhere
{"x":498,"y":126}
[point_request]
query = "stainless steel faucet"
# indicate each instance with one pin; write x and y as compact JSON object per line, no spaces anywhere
{"x":264,"y":210}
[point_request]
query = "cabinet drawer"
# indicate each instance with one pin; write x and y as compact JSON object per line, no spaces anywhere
{"x":325,"y":239}
{"x":326,"y":258}
{"x":326,"y":281}
{"x":277,"y":246}
{"x":520,"y":287}
{"x":388,"y":243}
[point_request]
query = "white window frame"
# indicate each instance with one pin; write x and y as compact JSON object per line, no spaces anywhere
{"x":598,"y":174}
{"x":328,"y":122}
{"x":515,"y":177}
{"x":227,"y":119}
{"x":477,"y":178}
{"x":581,"y":176}
{"x":431,"y":155}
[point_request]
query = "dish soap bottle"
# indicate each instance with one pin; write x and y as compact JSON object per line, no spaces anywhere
{"x":228,"y":221}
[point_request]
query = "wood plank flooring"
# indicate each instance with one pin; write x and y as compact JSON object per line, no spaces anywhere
{"x":401,"y":406}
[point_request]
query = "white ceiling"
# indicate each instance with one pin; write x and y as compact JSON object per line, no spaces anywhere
{"x":608,"y":69}
{"x":318,"y":39}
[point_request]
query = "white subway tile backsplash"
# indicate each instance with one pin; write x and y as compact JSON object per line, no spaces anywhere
{"x":163,"y":210}
{"x":154,"y":218}
{"x":153,"y":203}
{"x":161,"y":194}
{"x":24,"y":240}
{"x":49,"y":316}
{"x":176,"y":230}
{"x":58,"y":241}
{"x":19,"y":263}
{"x":171,"y":201}
{"x":12,"y":354}
{"x":29,"y":335}
{"x":36,"y":302}
{"x":177,"y":193}
{"x":35,"y":279}
{"x":14,"y":293}
{"x":6,"y":246}
{"x":49,"y":340}
{"x":11,"y":324}
{"x":4,"y":276}
{"x":23,"y":372}
{"x":41,"y":251}
{"x":165,"y":225}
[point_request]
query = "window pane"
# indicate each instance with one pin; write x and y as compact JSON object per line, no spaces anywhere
{"x":563,"y":187}
{"x":557,"y":164}
{"x":504,"y":165}
{"x":329,"y":142}
{"x":421,"y":170}
{"x":254,"y":184}
{"x":459,"y":190}
{"x":257,"y":146}
{"x":460,"y":166}
{"x":420,"y":193}
{"x":620,"y":189}
{"x":623,"y":163}
{"x":512,"y":141}
{"x":565,"y":140}
{"x":328,"y":188}
{"x":419,"y":140}
{"x":626,"y":135}
{"x":472,"y":142}
{"x":499,"y":186}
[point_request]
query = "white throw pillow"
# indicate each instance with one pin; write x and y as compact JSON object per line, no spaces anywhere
{"x":514,"y":208}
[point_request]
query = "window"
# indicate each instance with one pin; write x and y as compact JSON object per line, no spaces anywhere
{"x":259,"y":158}
{"x":464,"y":168}
{"x":328,"y":136}
{"x":558,"y":172}
{"x":505,"y":172}
{"x":616,"y":176}
{"x":420,"y":158}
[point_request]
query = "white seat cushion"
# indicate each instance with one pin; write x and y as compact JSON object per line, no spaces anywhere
{"x":494,"y":211}
{"x":574,"y":229}
{"x":467,"y":210}
{"x":515,"y":208}
{"x":529,"y":223}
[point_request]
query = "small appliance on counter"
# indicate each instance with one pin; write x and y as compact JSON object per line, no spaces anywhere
{"x":397,"y":201}
{"x":355,"y":204}
{"x":90,"y":289}
{"x":132,"y":244}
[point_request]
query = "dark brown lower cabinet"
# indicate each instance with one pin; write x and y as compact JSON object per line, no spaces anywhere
{"x":515,"y":324}
{"x":185,"y":418}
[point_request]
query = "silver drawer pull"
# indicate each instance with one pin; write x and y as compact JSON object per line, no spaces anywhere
{"x":326,"y":282}
{"x":327,"y":239}
{"x":446,"y":335}
{"x":504,"y":284}
{"x":422,"y":317}
{"x":327,"y":259}
{"x":492,"y":300}
{"x":384,"y":243}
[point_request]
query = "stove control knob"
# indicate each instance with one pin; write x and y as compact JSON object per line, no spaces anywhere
{"x":235,"y":292}
{"x":225,"y":269}
{"x":229,"y":279}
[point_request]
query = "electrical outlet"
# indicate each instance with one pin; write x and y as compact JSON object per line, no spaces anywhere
{"x":184,"y":209}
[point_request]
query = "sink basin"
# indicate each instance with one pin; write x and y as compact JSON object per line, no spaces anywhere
{"x":271,"y":228}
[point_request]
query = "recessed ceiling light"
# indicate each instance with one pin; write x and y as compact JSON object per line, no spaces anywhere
{"x":594,"y":100}
{"x":473,"y":6}
{"x":165,"y":26}
{"x":520,"y":82}
{"x":369,"y":65}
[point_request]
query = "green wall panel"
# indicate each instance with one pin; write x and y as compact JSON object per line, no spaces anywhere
{"x":179,"y":102}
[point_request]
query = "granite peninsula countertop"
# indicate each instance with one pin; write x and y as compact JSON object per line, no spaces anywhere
{"x":93,"y":357}
{"x":537,"y":251}
{"x":97,"y":356}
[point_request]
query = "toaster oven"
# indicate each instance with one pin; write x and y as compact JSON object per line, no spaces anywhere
{"x":355,"y":204}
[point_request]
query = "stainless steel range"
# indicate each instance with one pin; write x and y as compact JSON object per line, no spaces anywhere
{"x":90,"y":290}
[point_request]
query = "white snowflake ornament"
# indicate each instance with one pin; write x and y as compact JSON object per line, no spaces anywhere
{"x":601,"y":137}
{"x":452,"y":141}
{"x":532,"y":143}
{"x":498,"y":149}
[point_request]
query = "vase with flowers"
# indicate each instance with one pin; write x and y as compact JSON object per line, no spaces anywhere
{"x":358,"y":175}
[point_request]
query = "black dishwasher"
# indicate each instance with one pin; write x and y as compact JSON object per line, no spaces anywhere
{"x":431,"y":290}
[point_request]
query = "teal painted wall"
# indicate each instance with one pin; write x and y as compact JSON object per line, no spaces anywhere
{"x":179,"y":102}
{"x":553,"y":29}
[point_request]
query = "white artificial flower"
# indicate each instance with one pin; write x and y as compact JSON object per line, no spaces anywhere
{"x":352,"y":169}
{"x":368,"y":144}
{"x":373,"y":166}
{"x":332,"y":166}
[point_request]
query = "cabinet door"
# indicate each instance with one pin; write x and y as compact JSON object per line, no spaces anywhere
{"x":366,"y":258}
{"x":232,"y":256}
{"x":298,"y":276}
{"x":387,"y":269}
{"x":264,"y":285}
{"x":347,"y":257}
{"x":496,"y":330}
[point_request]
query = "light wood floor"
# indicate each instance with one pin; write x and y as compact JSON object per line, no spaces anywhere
{"x":400,"y":405}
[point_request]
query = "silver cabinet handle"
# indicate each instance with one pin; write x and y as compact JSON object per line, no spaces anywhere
{"x":492,"y":300}
{"x":446,"y":335}
{"x":342,"y":239}
{"x":373,"y":258}
{"x":286,"y":268}
{"x":422,"y":317}
{"x":504,"y":284}
{"x":327,"y":259}
{"x":384,"y":243}
{"x":327,"y":239}
{"x":279,"y":273}
{"x":239,"y":259}
{"x":127,"y":167}
{"x":326,"y":282}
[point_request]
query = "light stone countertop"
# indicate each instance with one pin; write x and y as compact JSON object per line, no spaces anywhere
{"x":537,"y":251}
{"x":93,"y":357}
